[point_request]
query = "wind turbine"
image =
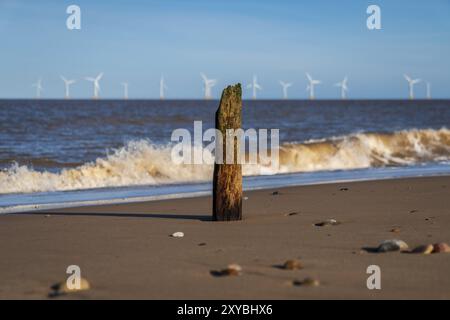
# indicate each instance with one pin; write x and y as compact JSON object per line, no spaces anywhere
{"x":428,"y":90}
{"x":254,"y":86}
{"x":311,"y":85}
{"x":95,"y":81}
{"x":38,"y":86}
{"x":344,"y":88}
{"x":162,"y":88}
{"x":285,"y":86}
{"x":125,"y":90}
{"x":67,"y":84}
{"x":209,"y":83}
{"x":411,"y":83}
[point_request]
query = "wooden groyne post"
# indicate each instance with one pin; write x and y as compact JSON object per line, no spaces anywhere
{"x":227,"y":180}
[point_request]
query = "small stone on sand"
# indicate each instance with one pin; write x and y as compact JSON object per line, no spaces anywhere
{"x":62,"y":288}
{"x":307,"y":282}
{"x":441,"y":247}
{"x":329,"y":222}
{"x":395,"y":230}
{"x":293,"y":264}
{"x":245,"y":198}
{"x":177,"y":235}
{"x":343,"y":189}
{"x":233,"y":270}
{"x":424,"y":249}
{"x":392,"y":245}
{"x":275,"y":193}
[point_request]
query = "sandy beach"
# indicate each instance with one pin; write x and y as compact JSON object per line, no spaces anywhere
{"x":125,"y":251}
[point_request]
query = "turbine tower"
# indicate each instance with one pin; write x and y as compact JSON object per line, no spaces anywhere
{"x":285,"y":86}
{"x":95,"y":81}
{"x":67,"y":84}
{"x":428,"y":90}
{"x":208,"y":83}
{"x":254,"y":86}
{"x":125,"y":90}
{"x":344,"y":88}
{"x":162,"y":88}
{"x":39,"y":89}
{"x":310,"y":86}
{"x":411,"y":83}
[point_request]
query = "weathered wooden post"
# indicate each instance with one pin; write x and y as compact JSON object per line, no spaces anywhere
{"x":227,"y":180}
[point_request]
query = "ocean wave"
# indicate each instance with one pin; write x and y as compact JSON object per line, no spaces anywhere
{"x":144,"y":163}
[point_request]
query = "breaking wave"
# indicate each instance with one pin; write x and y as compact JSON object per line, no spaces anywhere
{"x":143,"y":163}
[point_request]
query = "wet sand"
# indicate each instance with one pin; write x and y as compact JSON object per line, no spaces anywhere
{"x":126,"y":251}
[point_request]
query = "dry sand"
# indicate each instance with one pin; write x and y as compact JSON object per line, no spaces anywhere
{"x":125,"y":251}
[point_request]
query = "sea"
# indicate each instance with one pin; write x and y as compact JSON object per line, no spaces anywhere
{"x":64,"y":153}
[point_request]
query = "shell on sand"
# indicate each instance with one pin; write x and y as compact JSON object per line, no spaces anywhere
{"x":425,"y":249}
{"x":177,"y":235}
{"x":441,"y":247}
{"x":293,"y":264}
{"x":329,"y":222}
{"x":233,"y":270}
{"x":395,"y":230}
{"x":392,"y":245}
{"x":62,"y":288}
{"x":307,"y":282}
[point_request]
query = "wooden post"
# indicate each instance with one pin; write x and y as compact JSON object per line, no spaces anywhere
{"x":227,"y":180}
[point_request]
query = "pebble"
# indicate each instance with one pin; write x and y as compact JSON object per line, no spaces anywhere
{"x":293,"y":264}
{"x":329,"y":222}
{"x":395,"y":230}
{"x":61,"y":288}
{"x":441,"y":247}
{"x":245,"y":198}
{"x":177,"y":235}
{"x":424,"y":249}
{"x":232,"y":270}
{"x":343,"y":189}
{"x":392,"y":245}
{"x":275,"y":193}
{"x":307,"y":282}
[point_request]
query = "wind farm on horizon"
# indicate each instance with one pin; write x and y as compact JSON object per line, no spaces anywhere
{"x":251,"y":89}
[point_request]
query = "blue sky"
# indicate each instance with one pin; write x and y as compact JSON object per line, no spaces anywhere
{"x":137,"y":41}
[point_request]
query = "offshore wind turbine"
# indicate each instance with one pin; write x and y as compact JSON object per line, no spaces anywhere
{"x":310,"y":86}
{"x":208,"y":84}
{"x":428,"y":90}
{"x":411,"y":83}
{"x":125,"y":90}
{"x":162,"y":88}
{"x":96,"y":84}
{"x":39,"y":89}
{"x":67,"y":84}
{"x":344,"y":88}
{"x":285,"y":86}
{"x":254,"y":86}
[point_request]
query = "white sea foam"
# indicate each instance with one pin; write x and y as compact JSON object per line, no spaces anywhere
{"x":144,"y":163}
